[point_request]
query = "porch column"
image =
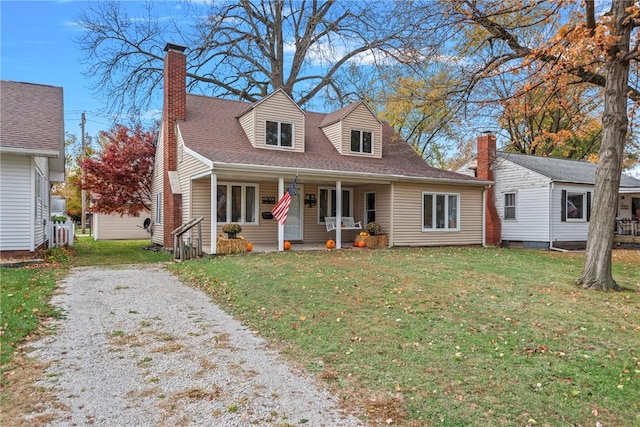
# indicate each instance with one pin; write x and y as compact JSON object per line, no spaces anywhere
{"x":338,"y":214}
{"x":214,"y":213}
{"x":280,"y":226}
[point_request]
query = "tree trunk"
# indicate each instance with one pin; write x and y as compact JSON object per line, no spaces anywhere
{"x":597,"y":266}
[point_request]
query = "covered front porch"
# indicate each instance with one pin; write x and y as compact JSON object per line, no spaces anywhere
{"x":242,"y":197}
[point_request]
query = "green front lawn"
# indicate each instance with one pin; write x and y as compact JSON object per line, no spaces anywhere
{"x":446,"y":336}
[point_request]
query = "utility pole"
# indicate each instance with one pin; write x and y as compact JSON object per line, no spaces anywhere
{"x":83,"y":219}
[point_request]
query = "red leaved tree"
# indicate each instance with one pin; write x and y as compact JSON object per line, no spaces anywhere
{"x":118,"y":178}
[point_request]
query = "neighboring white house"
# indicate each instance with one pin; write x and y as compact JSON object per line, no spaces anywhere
{"x":31,"y":159}
{"x":116,"y":227}
{"x":545,"y":202}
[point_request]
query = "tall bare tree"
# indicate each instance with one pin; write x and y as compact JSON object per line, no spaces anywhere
{"x":243,"y":49}
{"x":584,"y":49}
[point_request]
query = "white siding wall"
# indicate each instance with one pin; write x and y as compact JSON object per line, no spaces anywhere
{"x":568,"y":231}
{"x":468,"y":168}
{"x":116,"y":227}
{"x":156,"y":187}
{"x":16,"y":202}
{"x":279,"y":108}
{"x":532,"y":202}
{"x":625,"y":205}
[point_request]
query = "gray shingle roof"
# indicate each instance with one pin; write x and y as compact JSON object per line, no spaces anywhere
{"x":563,"y":170}
{"x":212,"y":129}
{"x":31,"y":116}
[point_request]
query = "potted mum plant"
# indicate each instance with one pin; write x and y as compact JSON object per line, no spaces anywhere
{"x":231,"y":229}
{"x":373,"y":228}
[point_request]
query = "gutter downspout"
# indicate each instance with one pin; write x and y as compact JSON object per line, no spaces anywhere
{"x":484,"y":217}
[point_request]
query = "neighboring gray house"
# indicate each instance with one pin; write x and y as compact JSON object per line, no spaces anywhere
{"x":545,"y":202}
{"x":31,"y":159}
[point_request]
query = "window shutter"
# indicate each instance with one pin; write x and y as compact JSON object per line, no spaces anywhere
{"x":564,"y":206}
{"x":588,"y":206}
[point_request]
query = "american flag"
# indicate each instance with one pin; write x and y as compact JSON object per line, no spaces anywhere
{"x":281,"y":209}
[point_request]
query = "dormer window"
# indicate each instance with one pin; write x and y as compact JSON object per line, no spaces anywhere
{"x":279,"y":134}
{"x":361,"y":141}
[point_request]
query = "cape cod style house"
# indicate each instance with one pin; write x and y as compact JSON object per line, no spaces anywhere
{"x":31,"y":159}
{"x":229,"y":162}
{"x":544,"y":202}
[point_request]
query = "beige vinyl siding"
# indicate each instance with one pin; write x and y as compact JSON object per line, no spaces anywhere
{"x":201,"y":206}
{"x":279,"y":108}
{"x":315,"y":231}
{"x":116,"y":227}
{"x":17,"y":202}
{"x":248,"y":123}
{"x":157,"y":187}
{"x":187,"y":168}
{"x":267,"y":229}
{"x":361,"y":119}
{"x":407,"y":216}
{"x":334,"y":132}
{"x":383,"y":205}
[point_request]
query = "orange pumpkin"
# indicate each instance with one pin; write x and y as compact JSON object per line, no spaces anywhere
{"x":249,"y":247}
{"x":331,"y":244}
{"x":287,"y":245}
{"x":362,"y":244}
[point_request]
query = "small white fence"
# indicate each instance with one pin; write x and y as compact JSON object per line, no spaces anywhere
{"x":61,"y":233}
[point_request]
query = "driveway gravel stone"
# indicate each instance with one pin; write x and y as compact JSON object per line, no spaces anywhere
{"x":137,"y":347}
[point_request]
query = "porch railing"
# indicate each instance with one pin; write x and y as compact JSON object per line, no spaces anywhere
{"x":60,"y":233}
{"x":185,"y":244}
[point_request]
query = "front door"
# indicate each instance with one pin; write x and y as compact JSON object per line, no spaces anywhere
{"x":293,"y":225}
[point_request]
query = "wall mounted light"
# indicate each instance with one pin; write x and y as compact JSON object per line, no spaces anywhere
{"x":310,"y":200}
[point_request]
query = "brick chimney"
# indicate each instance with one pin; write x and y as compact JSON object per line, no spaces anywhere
{"x":486,"y":157}
{"x":175,"y":95}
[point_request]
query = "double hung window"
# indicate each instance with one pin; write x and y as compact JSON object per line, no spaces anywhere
{"x":510,"y":206}
{"x":237,"y":203}
{"x":279,"y":134}
{"x":361,"y":141}
{"x":370,"y":207}
{"x":158,"y":208}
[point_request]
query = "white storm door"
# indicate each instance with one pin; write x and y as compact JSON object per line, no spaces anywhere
{"x":294,"y":223}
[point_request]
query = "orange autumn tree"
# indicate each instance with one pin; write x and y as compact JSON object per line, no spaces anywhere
{"x":118,"y":177}
{"x":418,"y":109}
{"x":553,"y":121}
{"x":571,"y":43}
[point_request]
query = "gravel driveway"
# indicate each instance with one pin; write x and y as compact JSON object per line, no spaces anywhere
{"x":137,"y":347}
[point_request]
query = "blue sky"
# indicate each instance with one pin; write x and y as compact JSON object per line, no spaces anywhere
{"x":36,"y":46}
